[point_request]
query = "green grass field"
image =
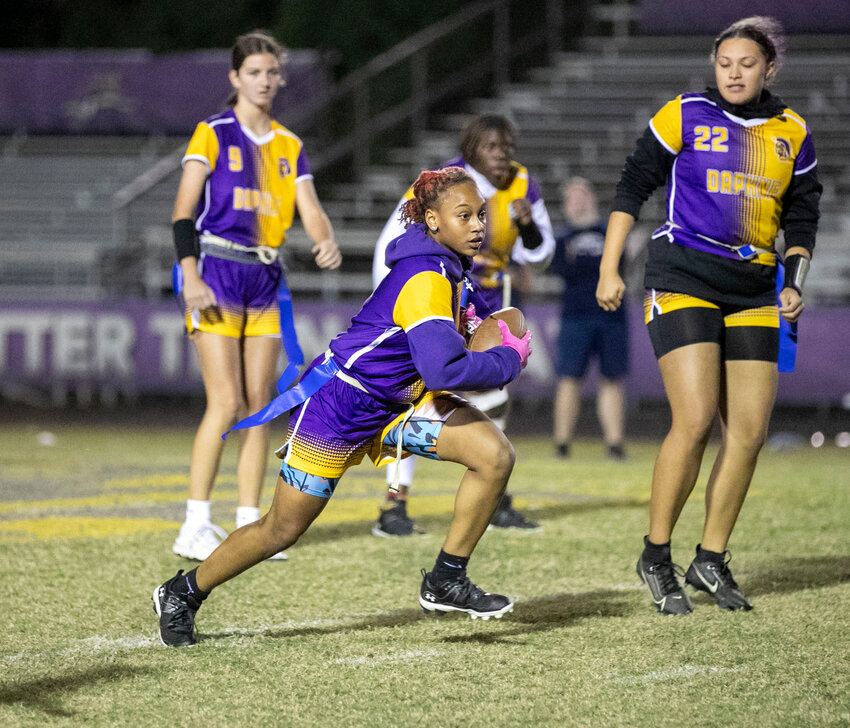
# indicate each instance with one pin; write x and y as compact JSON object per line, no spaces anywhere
{"x":335,"y":636}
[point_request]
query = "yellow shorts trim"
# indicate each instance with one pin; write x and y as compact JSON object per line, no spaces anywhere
{"x":233,"y":323}
{"x":766,"y":316}
{"x":657,"y":303}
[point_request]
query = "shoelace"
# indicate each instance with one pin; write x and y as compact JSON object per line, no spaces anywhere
{"x":182,"y":618}
{"x":667,"y":571}
{"x":724,"y":575}
{"x":210,"y":531}
{"x":464,"y":590}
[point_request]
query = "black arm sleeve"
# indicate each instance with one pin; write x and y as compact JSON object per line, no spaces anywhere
{"x":645,"y":170}
{"x":801,"y":210}
{"x":185,"y":239}
{"x":530,"y":234}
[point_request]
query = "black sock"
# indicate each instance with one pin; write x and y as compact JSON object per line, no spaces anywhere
{"x":448,"y":567}
{"x":186,"y":587}
{"x":654,"y":553}
{"x":714,"y":557}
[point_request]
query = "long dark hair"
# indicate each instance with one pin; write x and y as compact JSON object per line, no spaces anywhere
{"x":761,"y":29}
{"x":257,"y":41}
{"x":475,"y":130}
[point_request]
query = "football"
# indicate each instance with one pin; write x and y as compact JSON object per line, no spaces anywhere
{"x":487,"y":335}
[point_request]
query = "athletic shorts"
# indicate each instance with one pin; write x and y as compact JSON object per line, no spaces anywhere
{"x":247,"y":299}
{"x":603,"y":335}
{"x":317,"y":454}
{"x":677,"y":319}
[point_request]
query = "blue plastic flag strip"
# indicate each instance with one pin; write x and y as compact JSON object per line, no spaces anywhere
{"x":311,"y":383}
{"x":787,"y":331}
{"x":177,"y":279}
{"x":294,"y":355}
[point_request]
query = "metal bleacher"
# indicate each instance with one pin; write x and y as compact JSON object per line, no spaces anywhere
{"x":62,"y":235}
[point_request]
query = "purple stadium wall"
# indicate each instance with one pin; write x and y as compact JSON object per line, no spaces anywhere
{"x":675,"y":17}
{"x":136,"y":347}
{"x":132,"y":92}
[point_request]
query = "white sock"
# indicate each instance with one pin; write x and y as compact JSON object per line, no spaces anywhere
{"x":197,"y":515}
{"x":246,"y":515}
{"x":405,"y":471}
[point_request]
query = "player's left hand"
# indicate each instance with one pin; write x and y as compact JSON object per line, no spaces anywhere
{"x":327,"y":254}
{"x":790,"y":304}
{"x":521,"y":210}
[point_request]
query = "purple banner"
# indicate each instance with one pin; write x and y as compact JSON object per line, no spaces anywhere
{"x":135,"y":347}
{"x":133,"y":92}
{"x":674,"y":17}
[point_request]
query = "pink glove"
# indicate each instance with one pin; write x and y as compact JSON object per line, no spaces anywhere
{"x":469,"y":321}
{"x":520,"y":346}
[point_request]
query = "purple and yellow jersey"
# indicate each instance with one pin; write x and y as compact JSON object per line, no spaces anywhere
{"x":249,"y":196}
{"x":730,"y":174}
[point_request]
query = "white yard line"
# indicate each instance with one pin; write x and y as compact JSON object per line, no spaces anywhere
{"x":229,"y":637}
{"x":677,"y":673}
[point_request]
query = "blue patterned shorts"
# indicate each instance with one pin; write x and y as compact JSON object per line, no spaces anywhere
{"x":419,"y":437}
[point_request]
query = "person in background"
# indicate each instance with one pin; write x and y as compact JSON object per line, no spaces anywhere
{"x":519,"y":233}
{"x":243,"y":177}
{"x":586,"y":331}
{"x":378,"y":391}
{"x":738,"y":164}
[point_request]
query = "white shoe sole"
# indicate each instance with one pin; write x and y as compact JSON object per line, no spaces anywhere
{"x":514,"y":529}
{"x":443,"y":608}
{"x":158,"y":609}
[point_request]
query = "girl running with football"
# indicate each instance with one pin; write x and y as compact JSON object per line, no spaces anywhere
{"x":379,"y":391}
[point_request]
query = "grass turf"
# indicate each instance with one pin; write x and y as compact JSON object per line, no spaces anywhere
{"x":335,"y":636}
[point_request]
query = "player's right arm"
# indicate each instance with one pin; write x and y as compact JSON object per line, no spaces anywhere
{"x":611,"y":288}
{"x":646,"y":169}
{"x":423,"y":310}
{"x":196,"y":293}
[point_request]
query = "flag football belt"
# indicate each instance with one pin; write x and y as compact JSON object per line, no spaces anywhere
{"x":715,"y":247}
{"x":290,"y":398}
{"x":219,"y":247}
{"x":225,"y":249}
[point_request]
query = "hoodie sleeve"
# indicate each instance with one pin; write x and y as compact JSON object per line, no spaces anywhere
{"x":423,"y":310}
{"x":444,"y":362}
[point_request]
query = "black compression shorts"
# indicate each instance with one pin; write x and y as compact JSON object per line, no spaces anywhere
{"x":677,"y":319}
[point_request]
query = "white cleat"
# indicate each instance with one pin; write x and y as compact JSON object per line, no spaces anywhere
{"x":199,"y":545}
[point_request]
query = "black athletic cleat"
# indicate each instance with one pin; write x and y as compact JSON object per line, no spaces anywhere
{"x":394,"y":521}
{"x":461,"y":595}
{"x":662,"y":579}
{"x":507,"y":517}
{"x":717,"y":580}
{"x":176,"y":615}
{"x":616,"y":453}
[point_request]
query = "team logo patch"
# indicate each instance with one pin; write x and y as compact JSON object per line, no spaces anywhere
{"x":782,"y":147}
{"x":283,"y":168}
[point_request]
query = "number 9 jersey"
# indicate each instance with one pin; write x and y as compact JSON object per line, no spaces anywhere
{"x":249,"y":197}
